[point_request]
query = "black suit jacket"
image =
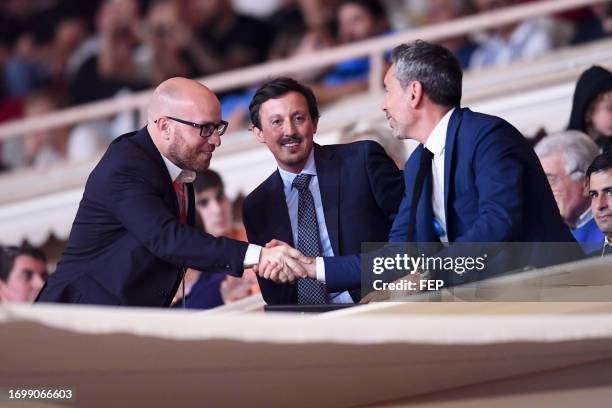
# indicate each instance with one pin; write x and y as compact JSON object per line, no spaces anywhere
{"x":127,"y":246}
{"x":361,"y":188}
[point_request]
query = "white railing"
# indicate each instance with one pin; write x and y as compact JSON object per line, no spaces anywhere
{"x":484,"y":90}
{"x":373,"y":48}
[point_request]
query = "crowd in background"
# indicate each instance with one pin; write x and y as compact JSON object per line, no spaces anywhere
{"x":55,"y":54}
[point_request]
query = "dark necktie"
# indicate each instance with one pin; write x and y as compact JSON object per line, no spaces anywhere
{"x":607,"y":250}
{"x":310,"y":291}
{"x":423,"y":174}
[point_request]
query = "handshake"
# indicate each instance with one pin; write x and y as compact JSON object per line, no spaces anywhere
{"x":281,"y":263}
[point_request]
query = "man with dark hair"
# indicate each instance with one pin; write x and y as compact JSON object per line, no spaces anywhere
{"x":600,"y":191}
{"x":23,"y":272}
{"x":324,"y":200}
{"x":473,"y":178}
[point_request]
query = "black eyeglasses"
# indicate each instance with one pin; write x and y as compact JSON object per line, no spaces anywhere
{"x":206,"y":129}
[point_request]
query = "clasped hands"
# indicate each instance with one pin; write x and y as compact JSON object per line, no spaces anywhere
{"x":281,"y":263}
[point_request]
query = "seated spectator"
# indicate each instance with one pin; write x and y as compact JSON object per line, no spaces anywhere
{"x":229,"y":40}
{"x":314,"y":15}
{"x":44,"y":147}
{"x":600,"y":191}
{"x":214,"y":214}
{"x":592,"y":106}
{"x":109,"y":63}
{"x":512,"y":42}
{"x":23,"y":272}
{"x":171,"y":48}
{"x":565,"y":158}
{"x":43,"y":63}
{"x":597,"y":27}
{"x":357,"y":20}
{"x":439,"y":11}
{"x":291,"y":42}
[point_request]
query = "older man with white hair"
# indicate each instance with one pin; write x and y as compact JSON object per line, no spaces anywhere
{"x":565,"y":157}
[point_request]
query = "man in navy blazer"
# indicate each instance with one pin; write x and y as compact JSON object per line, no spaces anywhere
{"x":133,"y":233}
{"x":479,"y":179}
{"x":356,"y":186}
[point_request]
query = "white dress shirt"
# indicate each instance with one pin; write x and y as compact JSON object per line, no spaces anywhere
{"x":607,"y":243}
{"x":188,"y":176}
{"x":436,"y":143}
{"x":292,"y":200}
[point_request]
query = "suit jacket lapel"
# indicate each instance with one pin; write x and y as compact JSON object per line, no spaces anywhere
{"x":328,"y":175}
{"x":144,"y":141}
{"x":277,"y":211}
{"x":451,"y":137}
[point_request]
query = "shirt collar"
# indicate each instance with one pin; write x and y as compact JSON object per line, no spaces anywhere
{"x":436,"y":142}
{"x":607,"y":241}
{"x":309,"y":168}
{"x":178,"y":174}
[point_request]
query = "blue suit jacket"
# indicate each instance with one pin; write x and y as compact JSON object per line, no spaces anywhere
{"x":589,"y":233}
{"x":494,"y":191}
{"x":127,"y":246}
{"x":361,"y":188}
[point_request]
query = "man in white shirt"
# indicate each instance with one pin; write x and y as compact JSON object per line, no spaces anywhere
{"x":473,"y":178}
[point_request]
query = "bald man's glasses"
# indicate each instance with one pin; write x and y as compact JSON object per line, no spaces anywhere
{"x":206,"y":129}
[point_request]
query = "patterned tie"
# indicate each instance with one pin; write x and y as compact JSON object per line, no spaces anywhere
{"x":310,"y":291}
{"x":180,"y":193}
{"x":607,"y":249}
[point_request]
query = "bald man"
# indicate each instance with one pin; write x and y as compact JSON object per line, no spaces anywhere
{"x":133,"y":234}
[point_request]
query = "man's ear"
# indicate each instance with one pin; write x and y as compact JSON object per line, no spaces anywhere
{"x":416,"y":93}
{"x":258,"y":133}
{"x":315,"y":125}
{"x":163,"y":127}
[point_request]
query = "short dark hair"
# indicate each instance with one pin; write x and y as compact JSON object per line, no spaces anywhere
{"x":374,"y":7}
{"x":602,"y":162}
{"x":8,"y":254}
{"x":434,"y":66}
{"x":275,"y":89}
{"x":206,"y":180}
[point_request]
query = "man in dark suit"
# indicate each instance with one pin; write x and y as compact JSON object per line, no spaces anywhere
{"x":599,"y":174}
{"x":473,"y":178}
{"x":133,"y":233}
{"x":355,"y":189}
